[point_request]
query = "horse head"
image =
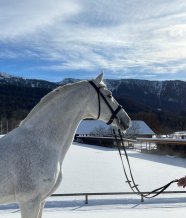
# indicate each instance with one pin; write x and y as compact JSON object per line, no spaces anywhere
{"x":108,"y":109}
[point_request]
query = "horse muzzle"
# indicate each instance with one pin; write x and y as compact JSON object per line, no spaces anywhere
{"x":122,"y":125}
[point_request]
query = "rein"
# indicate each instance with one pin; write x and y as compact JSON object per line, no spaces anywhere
{"x":130,"y":179}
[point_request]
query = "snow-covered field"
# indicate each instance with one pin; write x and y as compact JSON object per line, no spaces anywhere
{"x":95,"y":169}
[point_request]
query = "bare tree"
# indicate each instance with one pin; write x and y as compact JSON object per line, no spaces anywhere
{"x":102,"y":131}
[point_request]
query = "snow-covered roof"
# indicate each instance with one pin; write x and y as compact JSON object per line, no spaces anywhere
{"x":137,"y":127}
{"x":87,"y":126}
{"x":180,"y":133}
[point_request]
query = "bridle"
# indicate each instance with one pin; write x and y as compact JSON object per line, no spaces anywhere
{"x":130,"y":178}
{"x":114,"y":112}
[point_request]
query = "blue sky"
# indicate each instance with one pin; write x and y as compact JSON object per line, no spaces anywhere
{"x":79,"y":38}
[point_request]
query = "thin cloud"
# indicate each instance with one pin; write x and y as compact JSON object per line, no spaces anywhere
{"x":21,"y":18}
{"x":126,"y":38}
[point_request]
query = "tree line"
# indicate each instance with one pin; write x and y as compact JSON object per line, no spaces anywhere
{"x":17,"y":101}
{"x":15,"y":104}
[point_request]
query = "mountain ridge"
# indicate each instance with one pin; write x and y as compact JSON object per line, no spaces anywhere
{"x":161,"y":104}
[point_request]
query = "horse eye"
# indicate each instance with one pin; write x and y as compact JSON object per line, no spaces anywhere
{"x":109,"y":95}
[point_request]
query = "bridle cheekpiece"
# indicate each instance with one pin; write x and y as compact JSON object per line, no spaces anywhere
{"x":114,"y":112}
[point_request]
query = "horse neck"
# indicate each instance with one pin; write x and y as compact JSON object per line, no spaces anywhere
{"x":56,"y":122}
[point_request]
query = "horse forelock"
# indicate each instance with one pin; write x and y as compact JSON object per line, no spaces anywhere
{"x":102,"y":84}
{"x":59,"y":90}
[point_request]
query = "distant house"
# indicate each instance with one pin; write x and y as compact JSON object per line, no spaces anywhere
{"x":96,"y":127}
{"x":88,"y":127}
{"x":139,"y":129}
{"x":179,"y":135}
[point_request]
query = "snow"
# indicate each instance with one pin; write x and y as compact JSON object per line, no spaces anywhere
{"x":89,"y":168}
{"x":107,"y":208}
{"x":172,"y":100}
{"x":5,"y":75}
{"x":102,"y":170}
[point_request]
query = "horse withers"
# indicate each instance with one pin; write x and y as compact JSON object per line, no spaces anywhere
{"x":31,"y":155}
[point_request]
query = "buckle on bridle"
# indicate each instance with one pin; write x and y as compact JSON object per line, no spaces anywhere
{"x":114,"y":114}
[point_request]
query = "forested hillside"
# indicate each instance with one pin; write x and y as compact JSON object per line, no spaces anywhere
{"x":161,"y":104}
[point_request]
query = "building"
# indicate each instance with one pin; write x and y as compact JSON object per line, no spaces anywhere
{"x":138,"y":128}
{"x":91,"y":127}
{"x":99,"y":133}
{"x":179,"y":135}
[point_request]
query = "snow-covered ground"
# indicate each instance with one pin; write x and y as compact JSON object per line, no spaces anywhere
{"x":96,"y":169}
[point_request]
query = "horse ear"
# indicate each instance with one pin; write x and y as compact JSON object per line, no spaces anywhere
{"x":99,"y":79}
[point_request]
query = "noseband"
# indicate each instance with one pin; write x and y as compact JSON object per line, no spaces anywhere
{"x":114,"y":112}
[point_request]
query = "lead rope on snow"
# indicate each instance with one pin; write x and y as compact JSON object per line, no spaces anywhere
{"x":131,"y":181}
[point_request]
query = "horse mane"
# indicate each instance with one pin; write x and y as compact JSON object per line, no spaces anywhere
{"x":51,"y":95}
{"x":47,"y":98}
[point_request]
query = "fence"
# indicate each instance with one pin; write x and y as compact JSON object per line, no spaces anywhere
{"x":86,"y":195}
{"x":102,"y":140}
{"x":169,"y":146}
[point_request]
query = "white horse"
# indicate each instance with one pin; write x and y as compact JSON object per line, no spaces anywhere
{"x":31,"y":155}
